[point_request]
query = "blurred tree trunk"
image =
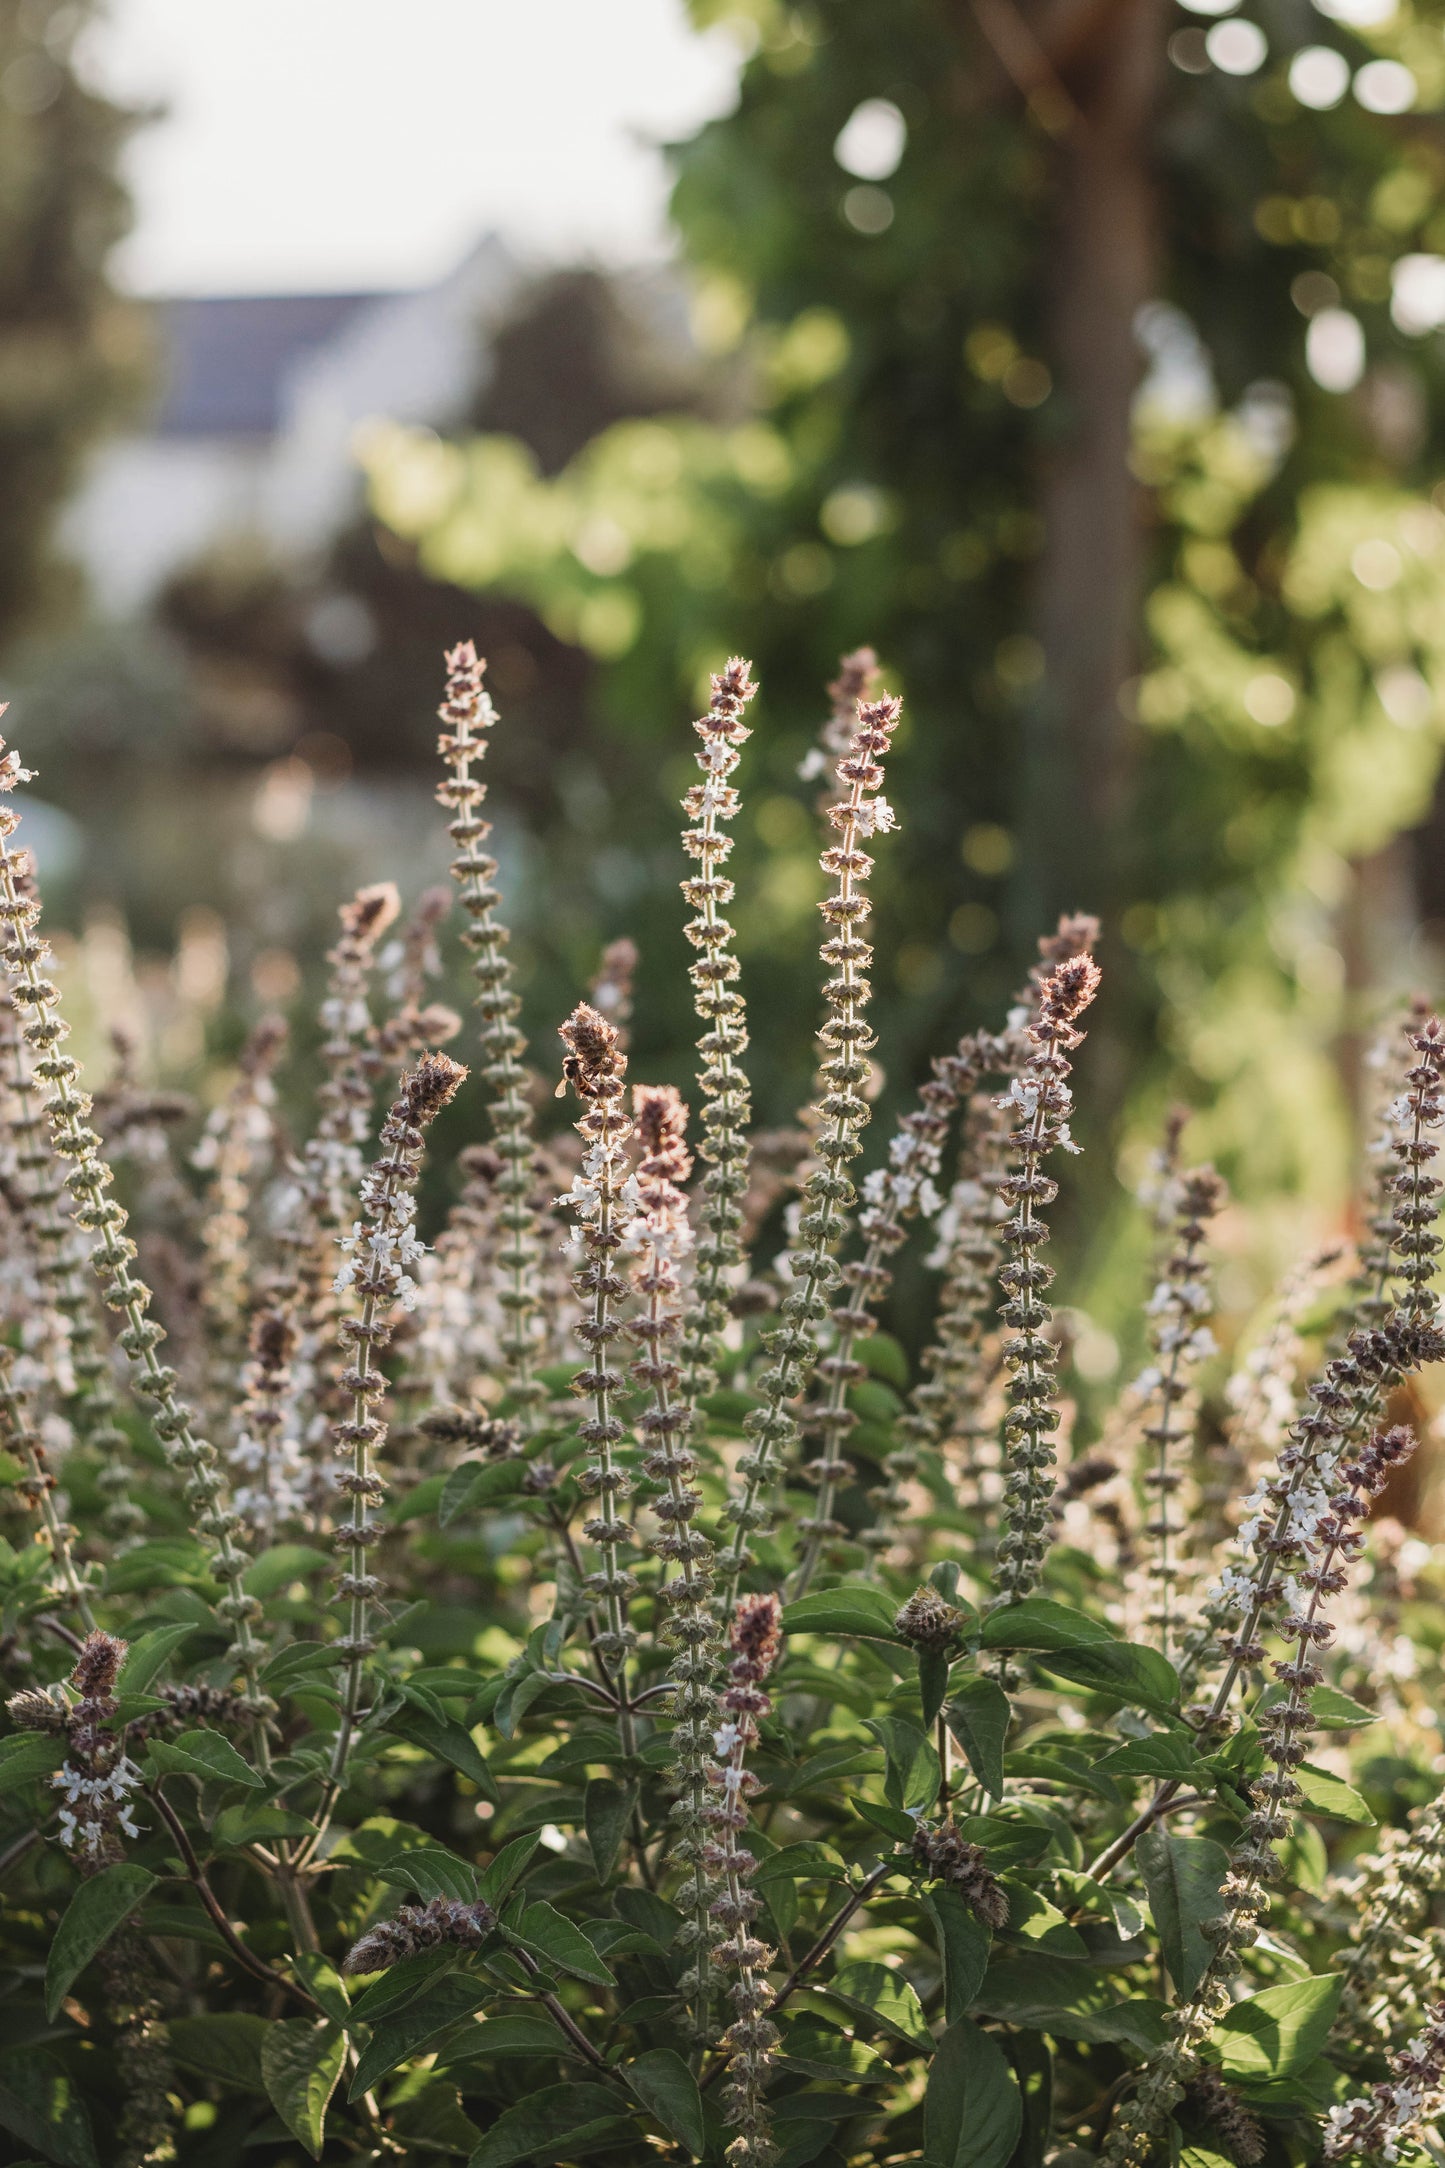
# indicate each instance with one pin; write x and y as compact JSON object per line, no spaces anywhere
{"x":1101,"y":105}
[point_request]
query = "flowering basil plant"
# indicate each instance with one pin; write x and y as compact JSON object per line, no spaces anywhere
{"x":556,"y":1687}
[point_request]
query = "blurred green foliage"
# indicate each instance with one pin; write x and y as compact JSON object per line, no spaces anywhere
{"x":912,"y":376}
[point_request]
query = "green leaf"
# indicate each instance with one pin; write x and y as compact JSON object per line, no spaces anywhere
{"x":934,"y":1666}
{"x":41,"y":2106}
{"x":972,"y":2112}
{"x":816,"y":2051}
{"x":856,"y":1608}
{"x":448,"y":1740}
{"x":963,"y":1944}
{"x":518,"y":2033}
{"x":91,"y":1918}
{"x":555,"y":2124}
{"x":1326,"y":1794}
{"x":885,"y":1359}
{"x":1125,"y":1669}
{"x":607,"y":1809}
{"x":225,"y":2045}
{"x":978,"y":1717}
{"x":914,"y":1772}
{"x":891,"y":1820}
{"x":1330,"y":1710}
{"x":1278,"y":2033}
{"x":1038,"y":1624}
{"x":668,"y":2091}
{"x":289,"y":1667}
{"x":549,"y":1935}
{"x":1162,"y":1754}
{"x":300,"y":2063}
{"x":1184,"y":1876}
{"x":400,"y":1984}
{"x":477,"y":1483}
{"x":246,"y":1823}
{"x":325,"y":1983}
{"x":1073,"y":2001}
{"x":281,"y":1565}
{"x":147,"y":1658}
{"x":432,"y":1871}
{"x":1032,"y":1919}
{"x":502,"y":1873}
{"x":880,"y":1993}
{"x":395,"y":2039}
{"x":27,"y":1755}
{"x":208,"y":1755}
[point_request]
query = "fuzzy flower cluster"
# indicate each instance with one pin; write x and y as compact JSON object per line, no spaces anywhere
{"x":944,"y":1855}
{"x":718,"y":1001}
{"x":603,"y":1196}
{"x":842,"y":1112}
{"x":1039,"y":1104}
{"x":97,"y":1779}
{"x":1393,"y":2113}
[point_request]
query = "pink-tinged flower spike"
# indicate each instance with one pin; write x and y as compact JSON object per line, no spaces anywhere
{"x":76,"y":1343}
{"x":893,"y":1196}
{"x":467,"y":714}
{"x":612,"y":988}
{"x":67,"y":1111}
{"x":602,"y":1196}
{"x":1040,"y":1103}
{"x":755,"y":1638}
{"x":380,"y":1254}
{"x":37,"y":1487}
{"x":1392,"y":2114}
{"x":441,"y":1922}
{"x":96,"y":1779}
{"x":843,"y":1112}
{"x":274,"y":1476}
{"x":239,"y":1138}
{"x":857,"y":680}
{"x":722,"y":1081}
{"x":1391,"y":1963}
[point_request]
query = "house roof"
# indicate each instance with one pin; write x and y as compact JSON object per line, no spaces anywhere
{"x":226,"y":357}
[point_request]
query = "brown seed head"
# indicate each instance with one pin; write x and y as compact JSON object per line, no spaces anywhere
{"x":928,"y":1620}
{"x":98,"y":1665}
{"x":1066,"y":993}
{"x":430,"y":1086}
{"x":756,"y":1632}
{"x":660,"y":1116}
{"x":593,"y":1062}
{"x":371,"y":910}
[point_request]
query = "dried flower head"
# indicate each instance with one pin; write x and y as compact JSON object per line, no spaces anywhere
{"x":929,"y":1621}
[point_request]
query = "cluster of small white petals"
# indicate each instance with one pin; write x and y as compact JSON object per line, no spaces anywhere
{"x":96,"y":1805}
{"x":1391,"y":2115}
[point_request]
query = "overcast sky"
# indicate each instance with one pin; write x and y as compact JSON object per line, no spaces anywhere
{"x":361,"y":143}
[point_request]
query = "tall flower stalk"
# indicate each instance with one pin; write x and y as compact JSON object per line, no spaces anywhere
{"x":601,"y":1196}
{"x":67,"y":1108}
{"x":378,"y":1266}
{"x":843,"y":1112}
{"x":750,"y":2042}
{"x":1041,"y":1103}
{"x":468,"y":713}
{"x":722,"y":1080}
{"x":1180,"y":1340}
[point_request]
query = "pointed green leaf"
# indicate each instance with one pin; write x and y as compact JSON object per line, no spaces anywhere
{"x":1038,"y":1624}
{"x":857,"y":1608}
{"x":502,"y":1873}
{"x":224,"y":2045}
{"x":668,"y":2091}
{"x":553,"y":2125}
{"x":395,"y":2039}
{"x":448,"y":1741}
{"x":41,"y":2105}
{"x":1327,"y":1794}
{"x":963,"y":1944}
{"x":281,"y":1565}
{"x":1278,"y":2033}
{"x":146,"y":1658}
{"x":933,"y":1670}
{"x":972,"y":2112}
{"x":978,"y":1716}
{"x":91,"y":1918}
{"x":1162,"y":1754}
{"x":432,"y":1871}
{"x":1184,"y":1876}
{"x":208,"y":1755}
{"x":606,"y":1811}
{"x":914,"y":1772}
{"x":301,"y":2062}
{"x":548,"y":1934}
{"x":879,"y":1993}
{"x":27,"y":1755}
{"x":479,"y":1483}
{"x":1127,"y":1670}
